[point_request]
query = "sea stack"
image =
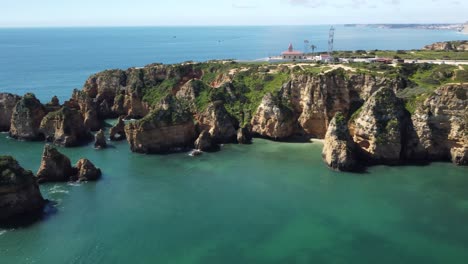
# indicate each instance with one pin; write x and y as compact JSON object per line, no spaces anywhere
{"x":20,"y":198}
{"x":26,"y":118}
{"x":7,"y":103}
{"x":339,"y":150}
{"x":56,"y":167}
{"x":100,"y":140}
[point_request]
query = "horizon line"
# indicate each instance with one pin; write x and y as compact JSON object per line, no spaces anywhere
{"x":220,"y":25}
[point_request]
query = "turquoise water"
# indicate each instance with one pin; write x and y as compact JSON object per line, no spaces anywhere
{"x":53,"y":61}
{"x":263,"y":203}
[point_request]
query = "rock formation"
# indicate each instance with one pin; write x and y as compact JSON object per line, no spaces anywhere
{"x":244,"y":136}
{"x":64,"y":127}
{"x":379,"y":127}
{"x":7,"y":103}
{"x":86,"y":171}
{"x":441,"y":125}
{"x":460,"y":45}
{"x":53,"y":105}
{"x":204,"y":142}
{"x":339,"y":150}
{"x":88,"y":109}
{"x":55,"y":167}
{"x":273,"y":119}
{"x":117,"y":132}
{"x":20,"y":197}
{"x":26,"y":118}
{"x":100,"y":140}
{"x":166,"y":129}
{"x":219,"y":123}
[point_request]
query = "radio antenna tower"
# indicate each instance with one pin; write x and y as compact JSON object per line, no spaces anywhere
{"x":331,"y":38}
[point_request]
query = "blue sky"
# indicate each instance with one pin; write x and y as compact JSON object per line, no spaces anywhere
{"x":26,"y":13}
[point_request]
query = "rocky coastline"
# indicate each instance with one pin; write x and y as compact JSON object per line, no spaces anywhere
{"x":360,"y":113}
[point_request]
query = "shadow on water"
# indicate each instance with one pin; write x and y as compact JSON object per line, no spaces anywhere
{"x":30,"y":219}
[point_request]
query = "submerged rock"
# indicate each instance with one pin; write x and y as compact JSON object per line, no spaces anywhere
{"x":339,"y":150}
{"x":273,"y":119}
{"x":65,"y":127}
{"x":86,"y":171}
{"x":7,"y":104}
{"x":20,"y":197}
{"x":166,"y":129}
{"x":26,"y":118}
{"x":55,"y":167}
{"x":100,"y":140}
{"x":117,"y":132}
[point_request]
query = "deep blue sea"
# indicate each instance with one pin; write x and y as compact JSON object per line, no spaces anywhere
{"x":53,"y":61}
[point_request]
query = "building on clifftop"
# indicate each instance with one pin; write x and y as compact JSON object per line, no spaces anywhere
{"x":292,"y":54}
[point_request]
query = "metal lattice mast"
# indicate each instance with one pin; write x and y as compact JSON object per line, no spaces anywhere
{"x":331,"y":39}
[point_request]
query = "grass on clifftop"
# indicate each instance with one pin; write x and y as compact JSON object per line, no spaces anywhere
{"x":425,"y":78}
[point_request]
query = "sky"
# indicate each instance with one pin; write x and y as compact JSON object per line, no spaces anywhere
{"x":59,"y":13}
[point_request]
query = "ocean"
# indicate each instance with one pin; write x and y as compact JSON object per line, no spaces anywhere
{"x":268,"y":202}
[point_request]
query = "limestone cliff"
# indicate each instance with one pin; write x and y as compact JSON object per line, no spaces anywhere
{"x":88,"y":109}
{"x":221,"y":126}
{"x":339,"y":150}
{"x":379,"y":127}
{"x":7,"y":103}
{"x":20,"y":197}
{"x":168,"y":128}
{"x":273,"y":119}
{"x":64,"y":127}
{"x":316,"y":98}
{"x":119,"y":92}
{"x":26,"y":118}
{"x":461,"y":45}
{"x":441,"y":125}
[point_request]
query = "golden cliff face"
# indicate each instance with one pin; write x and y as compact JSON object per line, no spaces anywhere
{"x":164,"y":130}
{"x":315,"y":99}
{"x":273,"y":119}
{"x":7,"y":103}
{"x":441,"y":124}
{"x":339,"y":150}
{"x":378,"y":128}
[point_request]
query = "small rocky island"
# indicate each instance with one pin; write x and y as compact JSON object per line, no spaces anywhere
{"x":20,"y":197}
{"x":368,"y":114}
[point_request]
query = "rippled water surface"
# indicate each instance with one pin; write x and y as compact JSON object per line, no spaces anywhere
{"x":262,"y":203}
